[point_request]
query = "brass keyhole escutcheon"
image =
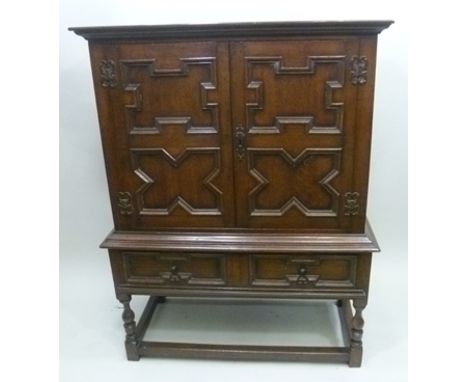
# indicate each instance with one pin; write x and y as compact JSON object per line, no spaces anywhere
{"x":240,"y":142}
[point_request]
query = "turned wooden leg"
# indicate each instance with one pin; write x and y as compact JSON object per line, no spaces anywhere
{"x":357,"y":325}
{"x":131,"y":338}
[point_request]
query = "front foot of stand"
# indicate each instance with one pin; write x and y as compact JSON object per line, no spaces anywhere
{"x":135,"y":332}
{"x":357,"y":325}
{"x":131,"y":338}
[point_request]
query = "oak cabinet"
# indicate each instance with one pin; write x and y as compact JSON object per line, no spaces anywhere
{"x":237,"y":158}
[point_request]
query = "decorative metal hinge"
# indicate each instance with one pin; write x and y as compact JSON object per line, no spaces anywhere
{"x":358,"y":70}
{"x":125,"y":203}
{"x":351,"y":204}
{"x":108,"y":73}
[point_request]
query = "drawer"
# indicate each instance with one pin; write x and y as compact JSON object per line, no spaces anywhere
{"x":303,"y":271}
{"x":174,"y":269}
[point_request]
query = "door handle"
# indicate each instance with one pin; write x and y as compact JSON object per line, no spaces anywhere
{"x":240,"y":141}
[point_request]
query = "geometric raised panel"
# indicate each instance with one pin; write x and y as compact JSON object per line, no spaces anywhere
{"x":276,"y":123}
{"x":163,"y":176}
{"x":317,"y":271}
{"x":303,"y":182}
{"x":298,"y":107}
{"x":174,"y":270}
{"x":168,"y":86}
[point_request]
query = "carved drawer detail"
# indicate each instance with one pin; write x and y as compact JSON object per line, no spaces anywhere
{"x":174,"y":269}
{"x":305,"y":271}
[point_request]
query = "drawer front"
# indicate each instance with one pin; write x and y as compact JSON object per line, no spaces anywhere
{"x":174,"y":269}
{"x":313,"y":271}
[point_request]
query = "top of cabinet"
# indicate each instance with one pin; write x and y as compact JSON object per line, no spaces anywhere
{"x":233,"y":30}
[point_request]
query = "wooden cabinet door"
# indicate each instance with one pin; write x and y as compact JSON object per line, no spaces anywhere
{"x":165,"y":123}
{"x":294,"y":124}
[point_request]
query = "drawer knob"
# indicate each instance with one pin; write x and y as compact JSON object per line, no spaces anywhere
{"x":174,"y":277}
{"x":302,"y":279}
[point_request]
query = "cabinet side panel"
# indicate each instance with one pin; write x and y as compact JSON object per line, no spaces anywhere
{"x":98,"y":54}
{"x":363,"y":133}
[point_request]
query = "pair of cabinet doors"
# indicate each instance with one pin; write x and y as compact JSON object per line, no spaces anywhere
{"x":226,"y":134}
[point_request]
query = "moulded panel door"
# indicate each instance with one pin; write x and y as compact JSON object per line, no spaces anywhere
{"x":165,"y":124}
{"x":294,"y":108}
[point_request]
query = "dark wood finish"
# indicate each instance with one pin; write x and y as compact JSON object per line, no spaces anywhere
{"x":258,"y":273}
{"x":234,"y":30}
{"x":245,"y":352}
{"x":168,"y":117}
{"x":296,"y":102}
{"x":181,"y":270}
{"x":246,"y":292}
{"x":131,"y":338}
{"x":303,"y":271}
{"x":351,"y":352}
{"x":243,"y":241}
{"x":357,"y":325}
{"x":237,"y":158}
{"x":365,"y":94}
